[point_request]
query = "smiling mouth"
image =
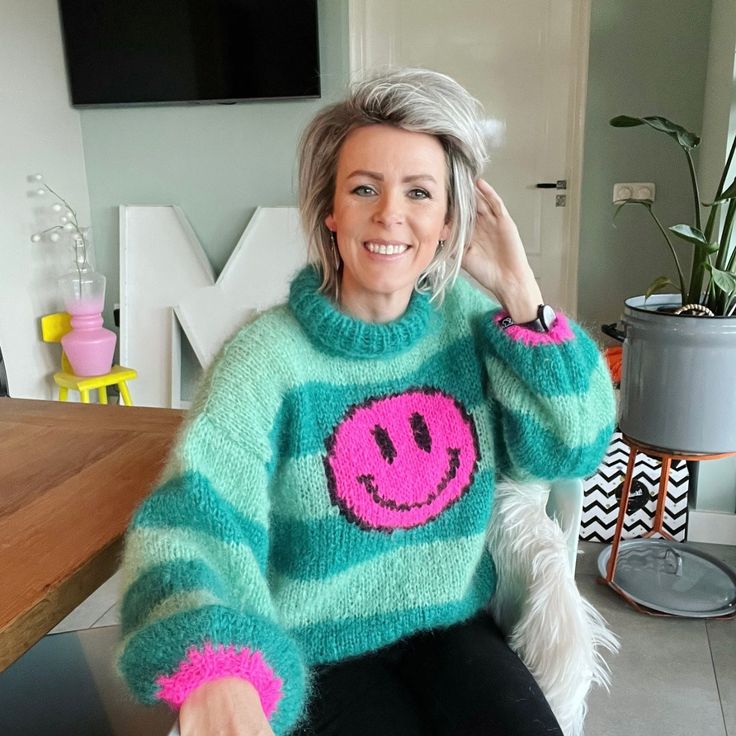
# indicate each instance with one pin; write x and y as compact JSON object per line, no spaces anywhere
{"x":385,"y":249}
{"x":368,"y":481}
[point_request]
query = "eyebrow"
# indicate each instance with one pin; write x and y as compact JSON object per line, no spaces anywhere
{"x":379,"y":177}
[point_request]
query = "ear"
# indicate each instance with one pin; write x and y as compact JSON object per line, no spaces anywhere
{"x":445,"y":232}
{"x":330,"y":222}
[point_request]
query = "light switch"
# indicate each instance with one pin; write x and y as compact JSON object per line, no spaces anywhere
{"x":641,"y":190}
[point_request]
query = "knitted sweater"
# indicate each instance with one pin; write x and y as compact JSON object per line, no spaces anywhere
{"x":331,"y":488}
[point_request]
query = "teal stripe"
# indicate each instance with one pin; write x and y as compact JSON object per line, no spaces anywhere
{"x":330,"y":641}
{"x":159,"y":648}
{"x":311,"y":411}
{"x":147,"y":547}
{"x":343,"y":544}
{"x":538,"y":453}
{"x":161,"y":582}
{"x":581,"y":416}
{"x":568,"y":366}
{"x":189,"y":501}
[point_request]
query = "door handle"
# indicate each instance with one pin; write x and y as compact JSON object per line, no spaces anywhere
{"x":559,"y":184}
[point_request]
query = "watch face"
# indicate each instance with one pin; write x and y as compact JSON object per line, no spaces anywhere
{"x":547,"y":316}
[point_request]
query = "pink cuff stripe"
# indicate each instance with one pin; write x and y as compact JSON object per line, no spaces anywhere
{"x":210,"y":663}
{"x":559,"y":333}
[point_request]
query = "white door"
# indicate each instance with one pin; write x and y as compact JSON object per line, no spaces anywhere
{"x":526,"y":62}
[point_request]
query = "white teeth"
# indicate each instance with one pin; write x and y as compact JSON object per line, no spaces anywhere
{"x":386,"y":250}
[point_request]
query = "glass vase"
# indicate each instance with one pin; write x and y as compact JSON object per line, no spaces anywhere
{"x":88,"y":345}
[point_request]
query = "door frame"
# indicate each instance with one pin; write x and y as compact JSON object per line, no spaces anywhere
{"x":357,"y":15}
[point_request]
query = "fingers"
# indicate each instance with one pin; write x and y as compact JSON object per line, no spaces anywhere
{"x":488,"y":199}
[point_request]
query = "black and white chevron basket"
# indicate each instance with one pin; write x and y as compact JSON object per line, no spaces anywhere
{"x":603,"y":492}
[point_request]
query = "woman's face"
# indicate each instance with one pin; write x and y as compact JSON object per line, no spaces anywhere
{"x":389,"y":213}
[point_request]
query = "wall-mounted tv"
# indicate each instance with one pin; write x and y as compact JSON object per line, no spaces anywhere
{"x":148,"y":52}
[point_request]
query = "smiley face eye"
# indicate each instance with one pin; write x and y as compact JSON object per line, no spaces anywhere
{"x":385,"y":445}
{"x":421,"y":432}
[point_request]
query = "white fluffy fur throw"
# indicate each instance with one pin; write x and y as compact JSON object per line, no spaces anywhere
{"x":557,"y":634}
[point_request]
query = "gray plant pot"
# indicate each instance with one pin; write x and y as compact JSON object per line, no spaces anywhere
{"x":678,"y":378}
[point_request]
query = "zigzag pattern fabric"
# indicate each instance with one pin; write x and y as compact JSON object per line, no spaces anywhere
{"x":332,"y":486}
{"x":603,"y":491}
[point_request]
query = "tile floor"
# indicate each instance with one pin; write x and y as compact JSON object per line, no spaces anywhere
{"x":673,"y":677}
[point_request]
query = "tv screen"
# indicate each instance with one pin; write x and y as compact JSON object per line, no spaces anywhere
{"x":143,"y":52}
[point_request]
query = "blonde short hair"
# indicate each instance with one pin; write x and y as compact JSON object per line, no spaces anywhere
{"x":416,"y":100}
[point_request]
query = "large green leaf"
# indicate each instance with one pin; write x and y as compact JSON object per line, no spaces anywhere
{"x":724,"y":280}
{"x":694,"y":236}
{"x":684,"y":137}
{"x":691,"y":234}
{"x":658,"y":284}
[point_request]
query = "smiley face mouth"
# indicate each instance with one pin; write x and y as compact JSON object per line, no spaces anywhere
{"x":368,"y":481}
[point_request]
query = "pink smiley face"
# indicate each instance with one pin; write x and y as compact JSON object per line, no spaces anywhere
{"x":396,"y":462}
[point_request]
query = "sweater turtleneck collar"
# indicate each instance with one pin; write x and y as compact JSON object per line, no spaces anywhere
{"x":337,"y":333}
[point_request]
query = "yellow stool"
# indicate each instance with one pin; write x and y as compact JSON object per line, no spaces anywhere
{"x":53,"y":328}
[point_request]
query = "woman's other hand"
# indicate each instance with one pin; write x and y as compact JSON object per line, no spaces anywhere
{"x":229,"y":706}
{"x":496,"y":259}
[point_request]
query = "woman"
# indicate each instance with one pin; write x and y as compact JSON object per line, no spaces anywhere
{"x":314,"y":559}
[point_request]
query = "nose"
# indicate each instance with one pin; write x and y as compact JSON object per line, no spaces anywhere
{"x":389,"y":208}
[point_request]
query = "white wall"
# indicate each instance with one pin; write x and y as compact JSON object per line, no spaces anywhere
{"x":39,"y":132}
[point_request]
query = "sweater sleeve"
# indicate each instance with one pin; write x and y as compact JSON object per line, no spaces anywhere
{"x":549,"y":394}
{"x":551,"y":397}
{"x":196,"y":603}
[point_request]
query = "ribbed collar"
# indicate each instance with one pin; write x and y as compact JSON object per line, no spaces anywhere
{"x":337,"y":333}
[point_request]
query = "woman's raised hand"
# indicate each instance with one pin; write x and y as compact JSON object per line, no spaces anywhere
{"x":495,"y":257}
{"x":229,"y":706}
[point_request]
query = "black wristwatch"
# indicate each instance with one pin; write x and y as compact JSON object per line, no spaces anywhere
{"x":546,"y":317}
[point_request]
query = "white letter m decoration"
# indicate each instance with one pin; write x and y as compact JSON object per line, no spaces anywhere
{"x":167,"y":285}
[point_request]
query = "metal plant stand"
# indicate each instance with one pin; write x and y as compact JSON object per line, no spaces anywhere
{"x":607,"y":564}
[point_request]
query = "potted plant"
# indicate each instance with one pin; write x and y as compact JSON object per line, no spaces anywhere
{"x":677,"y":387}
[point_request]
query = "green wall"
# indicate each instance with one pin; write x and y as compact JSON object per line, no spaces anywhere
{"x":218,"y":162}
{"x":646,"y":58}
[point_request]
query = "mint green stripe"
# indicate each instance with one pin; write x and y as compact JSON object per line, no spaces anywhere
{"x":567,"y":366}
{"x":332,"y":640}
{"x":148,"y":547}
{"x":437,"y":572}
{"x":343,"y":544}
{"x":164,"y":580}
{"x":539,"y":454}
{"x":320,"y":406}
{"x":573,"y":418}
{"x":159,"y":648}
{"x":238,"y":475}
{"x":191,"y":502}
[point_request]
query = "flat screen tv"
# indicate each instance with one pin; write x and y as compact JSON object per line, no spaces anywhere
{"x":147,"y":52}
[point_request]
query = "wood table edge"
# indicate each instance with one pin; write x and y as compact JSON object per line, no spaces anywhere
{"x":20,"y":634}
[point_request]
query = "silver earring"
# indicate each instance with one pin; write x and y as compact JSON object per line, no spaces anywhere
{"x":335,"y":251}
{"x":441,"y":244}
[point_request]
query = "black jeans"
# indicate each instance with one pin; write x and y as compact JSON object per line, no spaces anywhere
{"x":459,"y":681}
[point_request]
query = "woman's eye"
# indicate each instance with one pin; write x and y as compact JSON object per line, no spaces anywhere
{"x":363,"y":190}
{"x":419,"y":194}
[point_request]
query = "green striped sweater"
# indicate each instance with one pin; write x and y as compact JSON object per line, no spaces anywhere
{"x":331,"y":488}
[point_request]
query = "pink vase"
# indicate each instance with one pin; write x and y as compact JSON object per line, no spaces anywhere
{"x":88,"y":345}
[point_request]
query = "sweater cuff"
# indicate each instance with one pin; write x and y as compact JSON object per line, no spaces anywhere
{"x":212,"y":663}
{"x":560,"y":332}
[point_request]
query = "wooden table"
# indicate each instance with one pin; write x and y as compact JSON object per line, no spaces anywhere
{"x":70,"y":477}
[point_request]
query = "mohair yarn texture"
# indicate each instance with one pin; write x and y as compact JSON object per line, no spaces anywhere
{"x":331,"y":489}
